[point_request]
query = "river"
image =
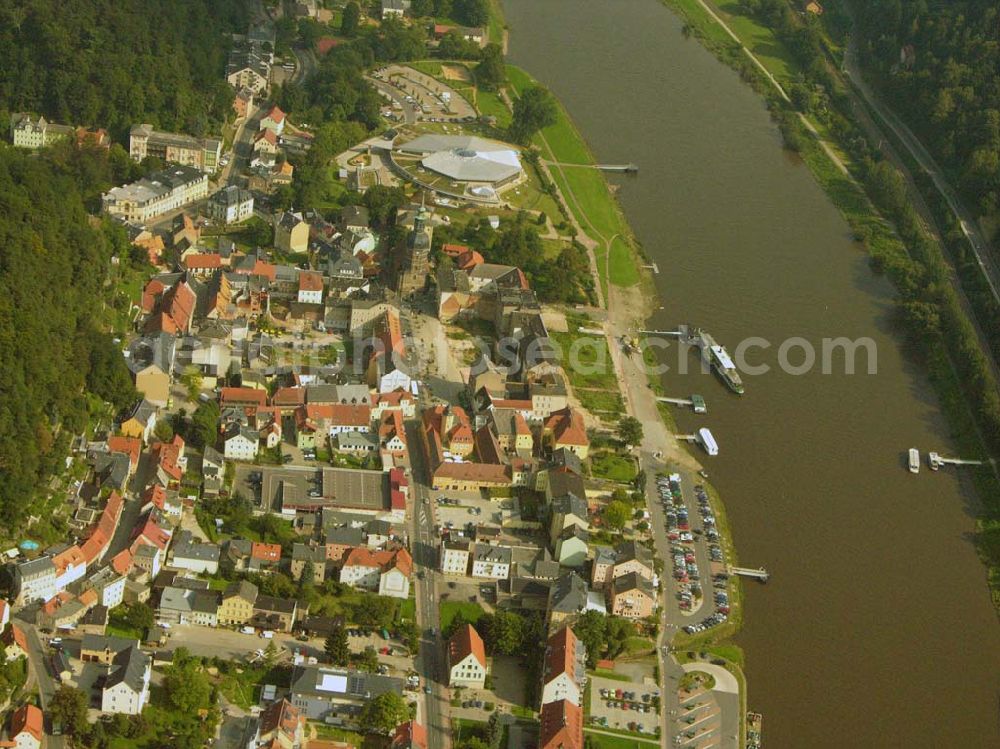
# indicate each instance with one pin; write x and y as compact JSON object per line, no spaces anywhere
{"x":876,"y":629}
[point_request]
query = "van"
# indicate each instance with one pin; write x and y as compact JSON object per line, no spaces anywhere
{"x":267,"y":634}
{"x":247,"y":630}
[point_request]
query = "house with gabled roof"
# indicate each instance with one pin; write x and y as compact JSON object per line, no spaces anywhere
{"x":26,"y":728}
{"x":564,"y":668}
{"x":560,"y":726}
{"x":467,"y":665}
{"x":281,"y":726}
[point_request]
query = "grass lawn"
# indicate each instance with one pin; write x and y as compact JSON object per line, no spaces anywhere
{"x":622,"y":270}
{"x":612,"y":466}
{"x":603,"y":403}
{"x":758,"y":39}
{"x":605,"y":674}
{"x":635,"y":645}
{"x":241,"y":688}
{"x":472,"y":612}
{"x":324,"y":731}
{"x":408,"y":609}
{"x":586,"y":360}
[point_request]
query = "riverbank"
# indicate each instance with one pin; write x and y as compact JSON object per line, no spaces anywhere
{"x":953,"y":352}
{"x":628,"y":292}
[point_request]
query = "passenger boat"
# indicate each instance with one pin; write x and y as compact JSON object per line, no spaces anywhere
{"x":914,"y":460}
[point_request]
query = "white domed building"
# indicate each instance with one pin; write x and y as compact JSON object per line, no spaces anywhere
{"x":466,"y":165}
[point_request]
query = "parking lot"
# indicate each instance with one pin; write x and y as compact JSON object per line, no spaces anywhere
{"x":266,"y":492}
{"x":427,"y":97}
{"x":458,"y":509}
{"x":624,"y":705}
{"x":698,"y":564}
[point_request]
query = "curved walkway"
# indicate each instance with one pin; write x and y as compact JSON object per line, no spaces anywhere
{"x":724,"y":681}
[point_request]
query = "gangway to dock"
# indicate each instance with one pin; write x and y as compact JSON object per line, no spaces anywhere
{"x":935,"y":461}
{"x":696,"y":402}
{"x":757,"y":574}
{"x":626,"y":168}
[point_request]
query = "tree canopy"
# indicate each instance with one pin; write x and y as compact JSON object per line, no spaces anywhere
{"x":383,"y":713}
{"x":534,"y":110}
{"x":939,"y":66}
{"x":115,"y":63}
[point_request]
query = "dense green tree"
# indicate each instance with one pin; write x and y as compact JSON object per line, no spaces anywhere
{"x":374,"y":611}
{"x":68,"y":707}
{"x":630,"y":430}
{"x":163,"y":431}
{"x":939,"y":66}
{"x":534,"y":110}
{"x":383,"y":713}
{"x":187,"y":686}
{"x":491,"y":73}
{"x":139,"y":615}
{"x":454,"y":46}
{"x":503,"y":631}
{"x":336,"y":649}
{"x":204,"y":424}
{"x":112,"y":64}
{"x":350,"y":19}
{"x":471,"y":12}
{"x":108,"y":376}
{"x":367,"y":660}
{"x":616,"y":514}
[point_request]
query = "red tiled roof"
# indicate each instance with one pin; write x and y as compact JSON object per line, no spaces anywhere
{"x":567,"y":427}
{"x":71,"y":556}
{"x":122,"y":562}
{"x":394,"y":398}
{"x":560,"y":655}
{"x":345,"y":414}
{"x":288,"y":397}
{"x":280,"y":716}
{"x":266,"y":134}
{"x":454,"y":250}
{"x":384,"y":561}
{"x":27,"y":719}
{"x":469,"y":259}
{"x":266,"y":552}
{"x":465,"y":641}
{"x":410,"y":735}
{"x":560,"y":726}
{"x":495,"y":473}
{"x":203,"y":261}
{"x":88,"y":598}
{"x":131,"y":446}
{"x":243,"y":397}
{"x":310,"y":281}
{"x":275,"y":114}
{"x":15,"y":636}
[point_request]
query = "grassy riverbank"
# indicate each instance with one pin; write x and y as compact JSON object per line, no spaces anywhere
{"x":872,"y":198}
{"x":587,"y":194}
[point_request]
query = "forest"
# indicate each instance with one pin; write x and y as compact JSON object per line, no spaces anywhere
{"x":53,"y":263}
{"x":114,"y":63}
{"x":938,"y":64}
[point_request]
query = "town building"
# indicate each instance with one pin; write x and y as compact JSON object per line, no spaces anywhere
{"x":291,"y":233}
{"x":455,"y":556}
{"x":125,"y":689}
{"x":564,"y":668}
{"x":466,"y":659}
{"x":35,"y":580}
{"x":236,"y":605}
{"x":27,"y":729}
{"x":202,"y":154}
{"x":231,"y":205}
{"x":490,"y":562}
{"x":631,"y":596}
{"x":29,"y":132}
{"x":159,"y":193}
{"x":560,"y":726}
{"x":337,"y":695}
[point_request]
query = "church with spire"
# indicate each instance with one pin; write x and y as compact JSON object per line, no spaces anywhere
{"x":416,"y":256}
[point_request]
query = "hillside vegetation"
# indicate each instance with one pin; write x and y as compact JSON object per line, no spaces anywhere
{"x":939,"y":66}
{"x":113,"y":63}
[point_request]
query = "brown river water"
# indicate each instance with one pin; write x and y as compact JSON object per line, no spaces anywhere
{"x":876,"y":629}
